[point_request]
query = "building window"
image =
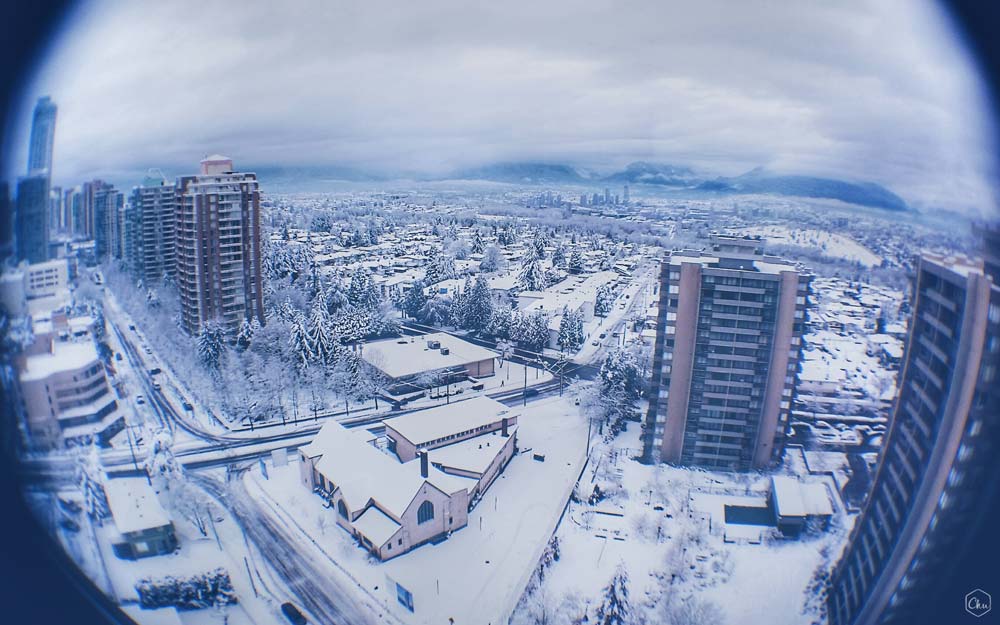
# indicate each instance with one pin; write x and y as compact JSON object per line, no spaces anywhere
{"x":425,"y":512}
{"x":342,"y":509}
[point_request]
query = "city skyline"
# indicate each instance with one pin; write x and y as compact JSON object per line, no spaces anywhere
{"x":388,"y":99}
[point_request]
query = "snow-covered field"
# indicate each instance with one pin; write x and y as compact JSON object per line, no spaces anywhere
{"x":478,"y":574}
{"x":667,"y":528}
{"x":827,"y":243}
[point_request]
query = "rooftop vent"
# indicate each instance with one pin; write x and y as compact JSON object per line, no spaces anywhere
{"x":445,"y":351}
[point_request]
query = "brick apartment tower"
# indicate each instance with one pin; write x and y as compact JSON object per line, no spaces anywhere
{"x":218,"y":246}
{"x":937,"y":473}
{"x":726,"y":356}
{"x":150,"y":226}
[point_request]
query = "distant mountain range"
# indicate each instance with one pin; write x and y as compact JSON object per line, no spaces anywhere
{"x":662,"y":175}
{"x":756,"y":181}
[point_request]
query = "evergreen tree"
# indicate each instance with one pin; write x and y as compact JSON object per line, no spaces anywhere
{"x":361,"y":292}
{"x":299,"y":344}
{"x":620,"y":384}
{"x":501,"y":323}
{"x":440,"y":266}
{"x":478,"y":245}
{"x":615,"y":608}
{"x":576,"y":261}
{"x":244,"y":337}
{"x":559,"y":256}
{"x":570,"y":330}
{"x":479,"y":306}
{"x":435,"y":311}
{"x":531,"y":277}
{"x":538,"y":245}
{"x":533,"y":331}
{"x":414,"y":300}
{"x":322,"y":344}
{"x":212,"y":345}
{"x":459,"y":307}
{"x":604,"y":301}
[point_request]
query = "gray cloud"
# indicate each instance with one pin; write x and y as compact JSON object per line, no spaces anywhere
{"x":870,"y":89}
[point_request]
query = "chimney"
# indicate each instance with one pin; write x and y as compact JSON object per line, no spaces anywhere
{"x":503,"y":426}
{"x":424,"y":470}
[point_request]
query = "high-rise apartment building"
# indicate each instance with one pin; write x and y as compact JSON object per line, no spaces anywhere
{"x":6,"y":222}
{"x":150,"y":226}
{"x":726,"y":356}
{"x":43,"y":133}
{"x":937,"y":470}
{"x":218,"y":246}
{"x":107,"y":209}
{"x":32,"y":219}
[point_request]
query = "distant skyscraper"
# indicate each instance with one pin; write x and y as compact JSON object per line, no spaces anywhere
{"x":55,"y":209}
{"x":43,"y":133}
{"x":583,"y":199}
{"x":218,"y":246}
{"x":107,"y":205}
{"x":607,"y":195}
{"x":938,"y":464}
{"x":626,"y":196}
{"x":726,"y":356}
{"x":150,"y":227}
{"x":32,"y":219}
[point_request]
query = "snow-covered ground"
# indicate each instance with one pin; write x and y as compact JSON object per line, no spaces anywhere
{"x":666,"y":525}
{"x":827,"y":243}
{"x":478,"y":574}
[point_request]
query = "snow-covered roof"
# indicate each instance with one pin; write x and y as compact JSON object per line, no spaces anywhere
{"x":134,"y":505}
{"x":792,"y":498}
{"x":376,"y":526}
{"x":424,"y":426}
{"x":399,"y":358}
{"x":65,"y":356}
{"x":473,"y":454}
{"x":364,"y":473}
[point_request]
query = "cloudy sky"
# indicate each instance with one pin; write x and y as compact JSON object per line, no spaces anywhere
{"x":860,"y":89}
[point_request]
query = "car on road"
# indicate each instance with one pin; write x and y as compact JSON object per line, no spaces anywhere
{"x":187,"y":406}
{"x":156,"y":385}
{"x":139,"y":399}
{"x":155,"y":371}
{"x":293,"y":614}
{"x":530,"y":392}
{"x":603,"y":335}
{"x":595,"y":343}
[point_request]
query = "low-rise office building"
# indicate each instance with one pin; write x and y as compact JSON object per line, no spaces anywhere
{"x":409,"y":362}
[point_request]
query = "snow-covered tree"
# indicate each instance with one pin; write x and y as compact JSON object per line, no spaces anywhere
{"x":531,"y":277}
{"x":538,"y":245}
{"x":478,"y":245}
{"x":533,"y":331}
{"x":695,"y":611}
{"x":244,"y":337}
{"x":570,"y":330}
{"x":414,"y":300}
{"x":620,"y":384}
{"x":615,"y":608}
{"x":299,"y":345}
{"x":323,"y":345}
{"x":559,"y":256}
{"x":478,"y":306}
{"x":604,"y":301}
{"x":436,"y":311}
{"x":91,"y":478}
{"x":440,"y":266}
{"x":212,"y":345}
{"x":361,"y":292}
{"x":576,"y":261}
{"x":501,"y":323}
{"x":492,"y":258}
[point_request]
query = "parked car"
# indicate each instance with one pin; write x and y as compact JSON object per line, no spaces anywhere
{"x":118,"y":356}
{"x":293,"y":614}
{"x":139,"y":399}
{"x":155,"y":371}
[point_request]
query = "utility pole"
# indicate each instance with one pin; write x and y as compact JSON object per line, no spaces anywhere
{"x":524,"y":393}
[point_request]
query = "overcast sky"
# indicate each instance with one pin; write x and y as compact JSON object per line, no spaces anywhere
{"x":860,"y":89}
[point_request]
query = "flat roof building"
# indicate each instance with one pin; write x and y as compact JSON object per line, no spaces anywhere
{"x":441,"y":355}
{"x":144,"y":527}
{"x":726,"y":355}
{"x":218,"y":238}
